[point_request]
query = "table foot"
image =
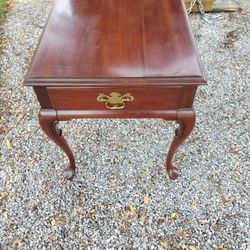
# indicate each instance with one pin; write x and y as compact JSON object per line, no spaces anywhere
{"x":49,"y":124}
{"x":186,"y":121}
{"x":69,"y":173}
{"x":173,"y":172}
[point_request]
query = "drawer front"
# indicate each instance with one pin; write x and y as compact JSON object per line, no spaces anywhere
{"x":159,"y":98}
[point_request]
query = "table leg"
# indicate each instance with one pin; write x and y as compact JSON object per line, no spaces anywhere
{"x":48,"y":122}
{"x":186,"y":121}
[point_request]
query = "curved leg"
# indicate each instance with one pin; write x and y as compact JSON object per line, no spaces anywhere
{"x":48,"y":122}
{"x":186,"y":121}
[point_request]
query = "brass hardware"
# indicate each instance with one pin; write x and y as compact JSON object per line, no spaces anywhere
{"x":115,"y":100}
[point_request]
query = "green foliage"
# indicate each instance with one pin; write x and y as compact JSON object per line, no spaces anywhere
{"x":3,"y":6}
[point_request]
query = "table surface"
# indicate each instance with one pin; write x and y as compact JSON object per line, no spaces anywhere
{"x":115,"y":40}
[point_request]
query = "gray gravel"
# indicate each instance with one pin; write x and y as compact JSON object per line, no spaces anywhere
{"x":121,"y":197}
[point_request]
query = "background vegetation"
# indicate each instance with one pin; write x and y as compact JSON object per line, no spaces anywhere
{"x":3,"y":6}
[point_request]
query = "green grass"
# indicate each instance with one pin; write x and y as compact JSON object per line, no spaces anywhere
{"x":3,"y":6}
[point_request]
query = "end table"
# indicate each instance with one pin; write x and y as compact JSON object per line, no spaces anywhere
{"x":116,"y":59}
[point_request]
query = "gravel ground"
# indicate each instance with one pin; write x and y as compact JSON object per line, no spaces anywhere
{"x":121,"y":197}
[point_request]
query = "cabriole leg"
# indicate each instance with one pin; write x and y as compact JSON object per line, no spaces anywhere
{"x":186,"y":121}
{"x":48,"y":122}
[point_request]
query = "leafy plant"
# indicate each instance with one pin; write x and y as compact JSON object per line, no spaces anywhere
{"x":3,"y":6}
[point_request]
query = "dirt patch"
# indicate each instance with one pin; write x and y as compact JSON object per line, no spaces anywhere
{"x":230,"y":39}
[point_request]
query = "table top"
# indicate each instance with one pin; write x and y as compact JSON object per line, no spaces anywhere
{"x":100,"y":41}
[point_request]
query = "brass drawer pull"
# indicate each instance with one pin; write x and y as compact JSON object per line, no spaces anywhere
{"x":115,"y":100}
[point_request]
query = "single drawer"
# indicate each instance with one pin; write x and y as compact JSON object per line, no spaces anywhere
{"x":80,"y":98}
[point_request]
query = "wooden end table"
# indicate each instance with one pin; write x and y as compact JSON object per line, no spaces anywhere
{"x":116,"y":59}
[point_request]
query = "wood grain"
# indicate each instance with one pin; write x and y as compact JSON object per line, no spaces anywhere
{"x":216,"y":5}
{"x":116,"y":39}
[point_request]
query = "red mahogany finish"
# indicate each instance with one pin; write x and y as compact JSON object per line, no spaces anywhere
{"x":161,"y":98}
{"x":116,"y":59}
